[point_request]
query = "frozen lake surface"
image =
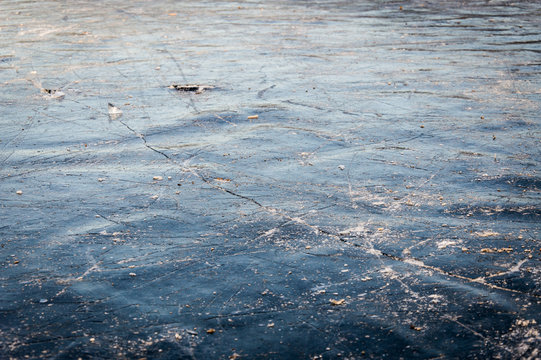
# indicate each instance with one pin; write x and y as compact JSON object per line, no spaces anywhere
{"x":347,"y":179}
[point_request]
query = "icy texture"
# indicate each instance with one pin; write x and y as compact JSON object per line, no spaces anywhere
{"x":384,"y":202}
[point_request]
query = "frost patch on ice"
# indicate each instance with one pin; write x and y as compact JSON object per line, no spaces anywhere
{"x":298,"y":220}
{"x":270,"y":232}
{"x":487,"y":233}
{"x":526,"y":333}
{"x":415,"y":262}
{"x":373,"y":251}
{"x":445,"y":243}
{"x":517,"y":266}
{"x":388,"y":272}
{"x":361,"y":229}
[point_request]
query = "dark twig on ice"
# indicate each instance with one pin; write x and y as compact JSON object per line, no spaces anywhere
{"x":198,"y":89}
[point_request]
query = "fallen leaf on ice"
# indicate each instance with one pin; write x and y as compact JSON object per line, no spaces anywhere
{"x":337,"y":302}
{"x":526,"y":322}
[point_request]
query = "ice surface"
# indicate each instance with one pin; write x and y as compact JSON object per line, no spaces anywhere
{"x":384,"y":202}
